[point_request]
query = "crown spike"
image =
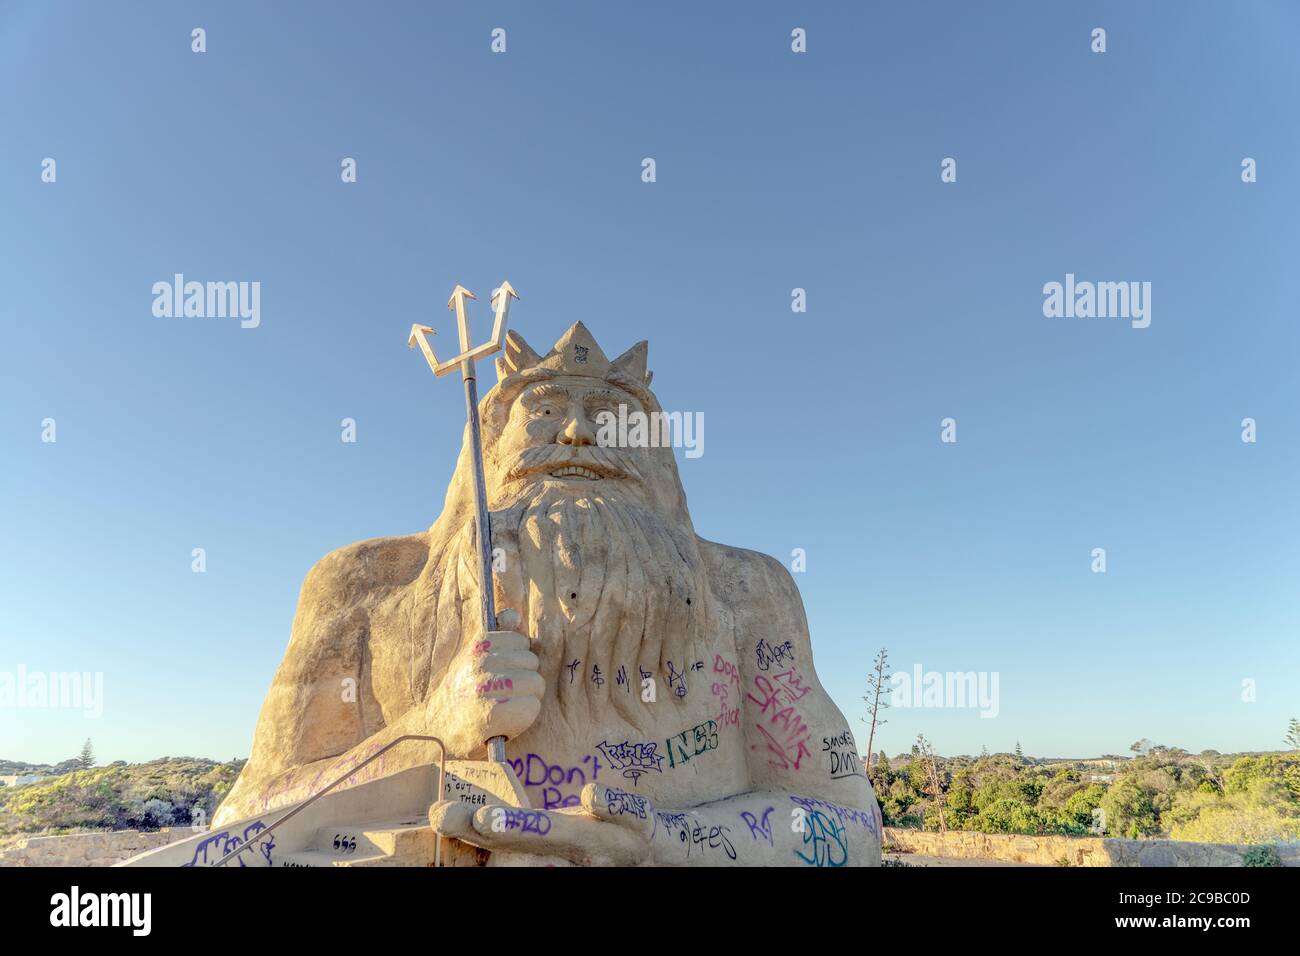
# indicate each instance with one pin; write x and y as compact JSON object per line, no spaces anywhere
{"x":576,"y":353}
{"x":519,"y":354}
{"x":632,"y":362}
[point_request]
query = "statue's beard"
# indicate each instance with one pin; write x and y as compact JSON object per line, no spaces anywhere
{"x":611,"y":593}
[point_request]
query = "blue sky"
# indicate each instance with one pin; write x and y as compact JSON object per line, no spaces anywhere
{"x":774,"y":171}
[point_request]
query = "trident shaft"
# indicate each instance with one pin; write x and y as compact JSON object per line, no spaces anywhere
{"x":465,"y":362}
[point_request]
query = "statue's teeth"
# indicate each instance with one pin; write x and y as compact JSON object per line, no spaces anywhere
{"x":575,"y":471}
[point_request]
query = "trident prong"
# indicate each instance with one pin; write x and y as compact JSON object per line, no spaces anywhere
{"x":500,"y":300}
{"x":418,"y":333}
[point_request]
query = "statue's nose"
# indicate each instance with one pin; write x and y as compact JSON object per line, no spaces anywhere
{"x":577,"y":432}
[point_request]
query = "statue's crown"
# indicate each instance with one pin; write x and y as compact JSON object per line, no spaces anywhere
{"x":575,"y":353}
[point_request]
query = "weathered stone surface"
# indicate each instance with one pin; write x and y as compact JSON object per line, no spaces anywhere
{"x":657,"y":690}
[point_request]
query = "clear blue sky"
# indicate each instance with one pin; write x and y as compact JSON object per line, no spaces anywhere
{"x":775,"y":171}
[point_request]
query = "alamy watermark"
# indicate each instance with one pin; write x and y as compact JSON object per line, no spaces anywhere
{"x":638,"y":429}
{"x":57,"y":690}
{"x":209,"y":300}
{"x":945,"y":689}
{"x":1098,"y":300}
{"x":75,"y":908}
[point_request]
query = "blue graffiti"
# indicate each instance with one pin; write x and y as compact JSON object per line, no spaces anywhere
{"x":825,"y":838}
{"x":210,"y":850}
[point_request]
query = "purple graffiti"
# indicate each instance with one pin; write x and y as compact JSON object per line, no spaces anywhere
{"x":633,"y":759}
{"x":867,"y":819}
{"x":534,"y":770}
{"x":525,"y":821}
{"x":210,"y":850}
{"x":759,"y":828}
{"x":620,"y":803}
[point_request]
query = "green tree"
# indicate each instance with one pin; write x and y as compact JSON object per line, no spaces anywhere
{"x":1129,"y":810}
{"x":1006,"y":815}
{"x":86,"y":759}
{"x":880,"y":775}
{"x":1076,"y":815}
{"x":1264,"y":813}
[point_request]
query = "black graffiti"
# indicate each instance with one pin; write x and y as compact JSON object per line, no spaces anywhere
{"x":766,"y":654}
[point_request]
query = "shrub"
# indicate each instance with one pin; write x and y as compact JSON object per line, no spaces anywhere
{"x":1261,"y":856}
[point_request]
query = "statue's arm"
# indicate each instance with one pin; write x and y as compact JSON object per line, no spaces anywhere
{"x":312,"y":710}
{"x":319,"y":707}
{"x":325,"y":714}
{"x":797,"y":740}
{"x":618,"y":827}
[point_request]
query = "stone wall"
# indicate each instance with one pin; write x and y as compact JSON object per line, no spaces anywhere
{"x":1071,"y":850}
{"x":88,"y":848}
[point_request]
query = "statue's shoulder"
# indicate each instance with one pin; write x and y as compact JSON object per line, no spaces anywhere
{"x":753,"y":585}
{"x":361,"y":572}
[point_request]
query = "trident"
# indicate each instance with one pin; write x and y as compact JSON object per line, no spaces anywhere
{"x":468,"y":356}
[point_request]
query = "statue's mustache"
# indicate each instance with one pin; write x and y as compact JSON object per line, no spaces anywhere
{"x":574,"y":461}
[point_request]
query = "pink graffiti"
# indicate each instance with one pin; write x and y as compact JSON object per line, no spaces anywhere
{"x":729,"y":671}
{"x":791,"y":684}
{"x":782,"y":726}
{"x":727,"y":716}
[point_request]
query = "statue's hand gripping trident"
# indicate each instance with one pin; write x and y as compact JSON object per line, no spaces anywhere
{"x":465,"y":360}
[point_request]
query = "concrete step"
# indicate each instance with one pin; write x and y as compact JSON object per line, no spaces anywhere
{"x":396,"y":843}
{"x":400,"y":843}
{"x":349,"y":840}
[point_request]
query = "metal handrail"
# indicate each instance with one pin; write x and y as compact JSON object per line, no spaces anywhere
{"x":442,"y":782}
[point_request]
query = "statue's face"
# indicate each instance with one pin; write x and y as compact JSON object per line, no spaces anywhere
{"x":569,"y":413}
{"x":551,"y":437}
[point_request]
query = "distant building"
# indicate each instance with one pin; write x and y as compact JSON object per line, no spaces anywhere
{"x":22,"y":779}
